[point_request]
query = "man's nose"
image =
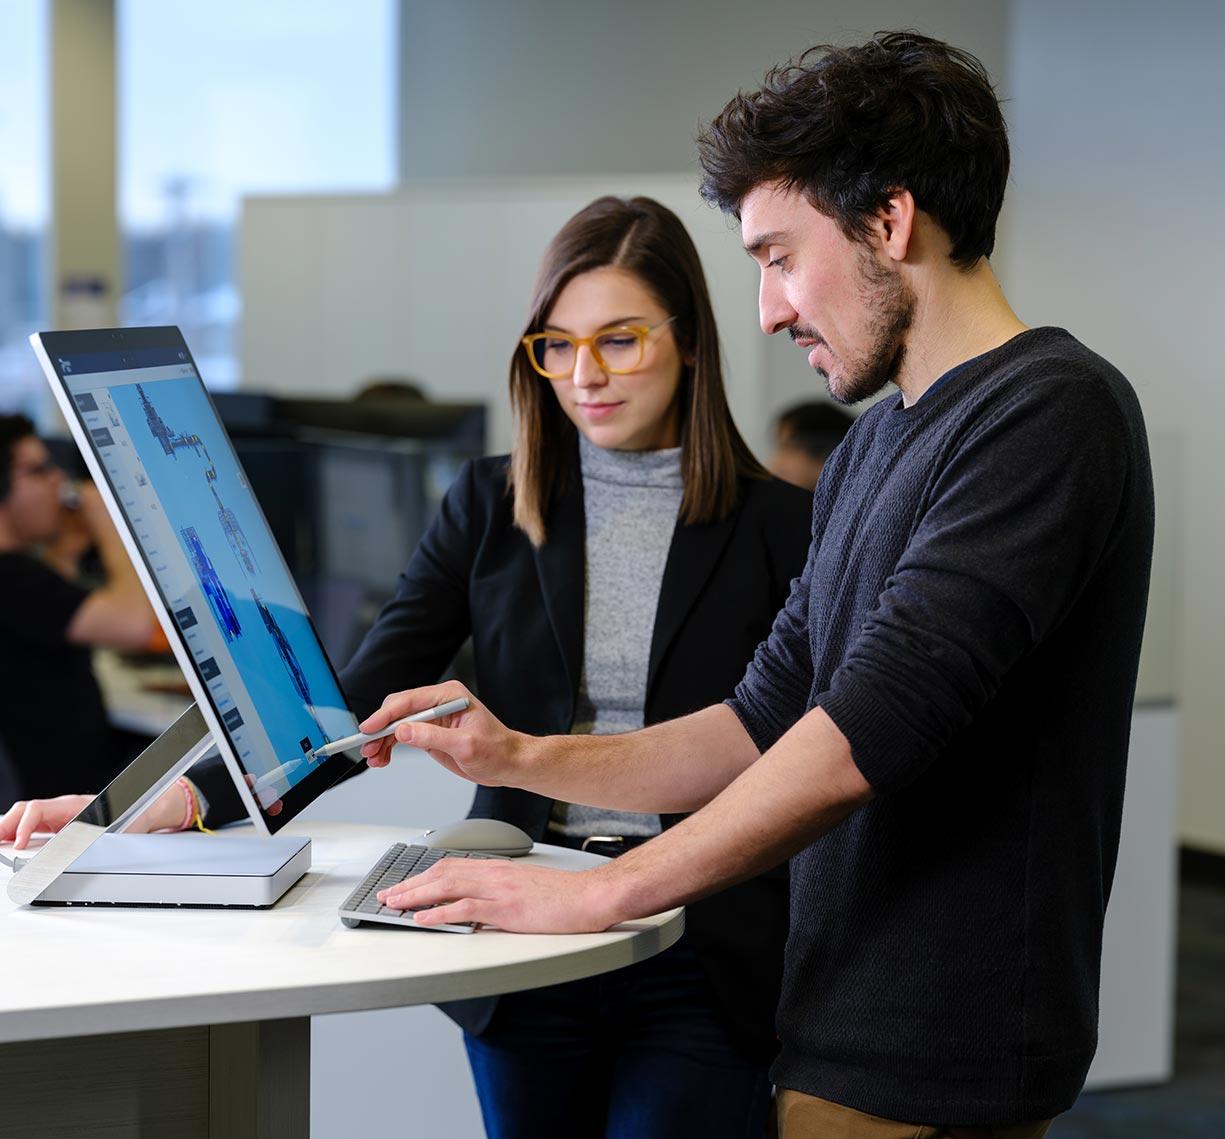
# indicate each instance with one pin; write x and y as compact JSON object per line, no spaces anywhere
{"x":773,"y":308}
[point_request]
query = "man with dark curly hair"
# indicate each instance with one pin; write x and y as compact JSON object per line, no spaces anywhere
{"x":935,"y":732}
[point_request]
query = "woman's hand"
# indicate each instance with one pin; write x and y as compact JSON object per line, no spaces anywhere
{"x":27,"y":816}
{"x":473,"y":744}
{"x":165,"y":813}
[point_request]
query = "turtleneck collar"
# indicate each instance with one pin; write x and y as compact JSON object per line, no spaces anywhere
{"x":630,"y":468}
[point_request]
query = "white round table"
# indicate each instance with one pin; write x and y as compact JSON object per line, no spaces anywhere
{"x":162,"y":994}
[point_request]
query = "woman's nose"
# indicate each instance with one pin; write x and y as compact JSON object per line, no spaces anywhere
{"x":587,"y":370}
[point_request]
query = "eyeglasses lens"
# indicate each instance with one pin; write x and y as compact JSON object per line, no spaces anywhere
{"x":554,"y":355}
{"x":620,"y":351}
{"x":616,"y":351}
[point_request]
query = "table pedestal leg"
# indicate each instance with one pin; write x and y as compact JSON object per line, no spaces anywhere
{"x":228,"y":1081}
{"x":259,"y":1079}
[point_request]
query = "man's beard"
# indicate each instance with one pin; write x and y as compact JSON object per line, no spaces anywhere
{"x":892,"y":303}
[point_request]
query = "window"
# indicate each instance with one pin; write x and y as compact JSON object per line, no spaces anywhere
{"x":24,"y":196}
{"x":230,"y":98}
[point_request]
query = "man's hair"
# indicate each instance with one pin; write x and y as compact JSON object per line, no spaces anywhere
{"x":648,"y":241}
{"x":851,"y":126}
{"x":13,"y":428}
{"x":815,"y":427}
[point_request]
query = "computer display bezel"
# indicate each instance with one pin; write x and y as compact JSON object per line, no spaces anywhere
{"x":50,"y":347}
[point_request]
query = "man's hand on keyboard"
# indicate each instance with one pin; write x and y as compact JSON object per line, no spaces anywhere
{"x":473,"y":744}
{"x":511,"y":896}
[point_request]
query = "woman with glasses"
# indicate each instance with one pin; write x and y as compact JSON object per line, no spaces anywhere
{"x":618,"y":568}
{"x":50,"y":621}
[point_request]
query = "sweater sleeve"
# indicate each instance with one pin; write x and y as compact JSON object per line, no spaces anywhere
{"x":775,"y":689}
{"x":1021,"y":513}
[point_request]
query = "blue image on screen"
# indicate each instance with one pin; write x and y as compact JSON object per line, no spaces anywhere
{"x":233,"y":557}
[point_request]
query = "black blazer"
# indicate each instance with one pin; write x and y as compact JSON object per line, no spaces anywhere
{"x":475,"y":574}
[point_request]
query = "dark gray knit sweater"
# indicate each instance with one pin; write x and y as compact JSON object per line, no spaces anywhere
{"x":970,"y":618}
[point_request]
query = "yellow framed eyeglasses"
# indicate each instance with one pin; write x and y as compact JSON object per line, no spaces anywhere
{"x":617,"y":350}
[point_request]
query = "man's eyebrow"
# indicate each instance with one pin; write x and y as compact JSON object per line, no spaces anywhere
{"x":774,"y":237}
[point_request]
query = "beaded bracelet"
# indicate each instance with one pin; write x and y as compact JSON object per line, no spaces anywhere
{"x":189,"y":797}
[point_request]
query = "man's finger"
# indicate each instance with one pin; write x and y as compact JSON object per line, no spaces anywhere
{"x":469,"y":909}
{"x":408,"y":895}
{"x":429,"y":737}
{"x":378,"y":753}
{"x":400,"y":704}
{"x":437,"y":884}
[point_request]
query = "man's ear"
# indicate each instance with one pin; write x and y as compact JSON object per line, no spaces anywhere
{"x":895,"y":225}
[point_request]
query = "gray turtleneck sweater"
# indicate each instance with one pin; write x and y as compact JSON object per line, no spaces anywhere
{"x":631,"y":500}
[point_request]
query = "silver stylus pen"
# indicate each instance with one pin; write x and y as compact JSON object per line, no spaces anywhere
{"x":439,"y":710}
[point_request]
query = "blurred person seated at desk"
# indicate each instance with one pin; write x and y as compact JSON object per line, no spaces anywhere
{"x":805,"y":435}
{"x":49,"y":622}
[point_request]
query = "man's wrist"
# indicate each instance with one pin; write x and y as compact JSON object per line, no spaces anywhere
{"x":527,"y":760}
{"x":617,"y":894}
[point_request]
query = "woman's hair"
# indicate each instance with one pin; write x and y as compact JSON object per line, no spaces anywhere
{"x":641,"y":237}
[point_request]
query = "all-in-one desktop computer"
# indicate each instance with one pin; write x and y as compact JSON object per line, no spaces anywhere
{"x":266,"y":695}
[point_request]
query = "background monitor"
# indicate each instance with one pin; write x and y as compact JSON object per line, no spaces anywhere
{"x":217,"y":580}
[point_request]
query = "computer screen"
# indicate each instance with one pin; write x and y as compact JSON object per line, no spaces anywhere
{"x":182,"y":497}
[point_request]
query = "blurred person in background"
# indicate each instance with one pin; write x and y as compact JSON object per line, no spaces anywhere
{"x":52,"y":720}
{"x":805,"y":435}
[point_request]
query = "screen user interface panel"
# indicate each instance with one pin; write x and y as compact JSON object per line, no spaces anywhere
{"x":216,"y":565}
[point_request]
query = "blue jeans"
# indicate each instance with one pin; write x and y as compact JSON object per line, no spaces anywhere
{"x":641,"y":1053}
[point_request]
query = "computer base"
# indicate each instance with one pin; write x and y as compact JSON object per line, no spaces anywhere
{"x":189,"y":869}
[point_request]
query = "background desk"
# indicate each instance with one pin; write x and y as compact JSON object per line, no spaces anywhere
{"x":129,"y":702}
{"x":197,"y":1022}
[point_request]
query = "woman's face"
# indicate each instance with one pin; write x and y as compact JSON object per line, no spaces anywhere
{"x":637,"y":411}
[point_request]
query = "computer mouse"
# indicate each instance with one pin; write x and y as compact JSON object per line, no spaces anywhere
{"x":486,"y":836}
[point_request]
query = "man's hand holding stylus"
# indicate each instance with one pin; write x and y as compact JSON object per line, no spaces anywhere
{"x":473,"y":744}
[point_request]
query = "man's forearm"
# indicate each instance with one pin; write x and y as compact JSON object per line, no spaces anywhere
{"x":801,"y":788}
{"x":668,"y":768}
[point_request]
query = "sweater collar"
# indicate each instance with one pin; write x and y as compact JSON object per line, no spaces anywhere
{"x":630,"y":468}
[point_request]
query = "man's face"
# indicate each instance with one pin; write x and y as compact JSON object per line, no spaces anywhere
{"x":33,"y":503}
{"x":841,"y":300}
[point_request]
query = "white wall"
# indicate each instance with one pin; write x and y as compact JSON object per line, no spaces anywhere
{"x":434,"y":282}
{"x":555,"y":87}
{"x":1118,"y":161}
{"x":549,"y":88}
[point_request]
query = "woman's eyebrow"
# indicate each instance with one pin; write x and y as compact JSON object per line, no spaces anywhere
{"x":607,"y":324}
